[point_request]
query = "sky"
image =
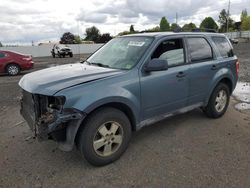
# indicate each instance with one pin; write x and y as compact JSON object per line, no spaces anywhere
{"x":24,"y":21}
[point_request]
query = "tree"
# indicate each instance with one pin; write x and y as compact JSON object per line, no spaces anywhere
{"x":223,"y":21}
{"x":92,"y":34}
{"x":244,"y":15}
{"x":77,"y":39}
{"x":164,"y":25}
{"x":67,"y":38}
{"x":1,"y":45}
{"x":104,"y":38}
{"x":245,"y":25}
{"x":175,"y":27}
{"x":208,"y":23}
{"x":124,"y":33}
{"x":189,"y":27}
{"x":131,"y":29}
{"x":154,"y":29}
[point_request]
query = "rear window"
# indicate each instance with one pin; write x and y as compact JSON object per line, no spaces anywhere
{"x":2,"y":55}
{"x":199,"y":49}
{"x":223,"y":46}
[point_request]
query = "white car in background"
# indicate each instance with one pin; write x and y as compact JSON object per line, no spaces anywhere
{"x":61,"y":50}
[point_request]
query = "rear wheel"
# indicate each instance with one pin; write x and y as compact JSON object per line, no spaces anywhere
{"x":105,"y":136}
{"x":218,"y":101}
{"x":71,"y":55}
{"x":13,"y":69}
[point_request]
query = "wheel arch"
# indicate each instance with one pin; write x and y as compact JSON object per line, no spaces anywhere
{"x":226,"y":80}
{"x":117,"y":105}
{"x":126,"y":109}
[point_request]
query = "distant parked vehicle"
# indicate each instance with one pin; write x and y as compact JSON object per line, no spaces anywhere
{"x":61,"y":50}
{"x":12,"y":63}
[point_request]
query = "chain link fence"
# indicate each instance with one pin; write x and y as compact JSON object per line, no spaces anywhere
{"x":239,"y":34}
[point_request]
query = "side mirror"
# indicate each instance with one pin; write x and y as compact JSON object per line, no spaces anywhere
{"x":156,"y":65}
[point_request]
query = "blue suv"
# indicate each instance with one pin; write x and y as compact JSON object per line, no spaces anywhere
{"x":132,"y":81}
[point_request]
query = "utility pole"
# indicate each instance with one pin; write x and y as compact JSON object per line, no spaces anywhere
{"x":228,"y":13}
{"x":78,"y":28}
{"x":176,"y":18}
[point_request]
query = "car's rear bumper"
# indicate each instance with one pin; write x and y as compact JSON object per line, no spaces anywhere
{"x":28,"y":65}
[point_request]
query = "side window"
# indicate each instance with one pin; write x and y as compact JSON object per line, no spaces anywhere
{"x":2,"y":55}
{"x":199,"y":49}
{"x":223,"y":46}
{"x":170,"y":50}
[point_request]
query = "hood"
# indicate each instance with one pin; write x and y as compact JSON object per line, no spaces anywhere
{"x":65,"y":48}
{"x":51,"y":80}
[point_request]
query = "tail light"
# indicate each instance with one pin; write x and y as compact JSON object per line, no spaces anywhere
{"x":237,"y":65}
{"x":27,"y":58}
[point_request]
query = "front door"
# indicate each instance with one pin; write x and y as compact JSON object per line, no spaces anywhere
{"x":2,"y":61}
{"x":163,"y":92}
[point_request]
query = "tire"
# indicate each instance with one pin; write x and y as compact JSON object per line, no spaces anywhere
{"x":13,"y":69}
{"x":70,"y":55}
{"x":53,"y":55}
{"x":98,"y":143}
{"x":218,"y":102}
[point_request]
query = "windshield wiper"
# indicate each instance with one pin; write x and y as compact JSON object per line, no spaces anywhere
{"x":98,"y":64}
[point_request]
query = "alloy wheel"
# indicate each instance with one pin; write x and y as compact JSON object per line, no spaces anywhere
{"x":13,"y":70}
{"x":108,"y":139}
{"x":221,"y":101}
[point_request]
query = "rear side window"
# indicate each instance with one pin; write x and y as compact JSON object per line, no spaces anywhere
{"x":199,"y":49}
{"x":2,"y":55}
{"x":223,"y":46}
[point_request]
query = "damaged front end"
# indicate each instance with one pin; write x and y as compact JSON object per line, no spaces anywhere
{"x":48,"y":119}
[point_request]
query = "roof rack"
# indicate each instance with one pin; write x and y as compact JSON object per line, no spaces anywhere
{"x":204,"y":30}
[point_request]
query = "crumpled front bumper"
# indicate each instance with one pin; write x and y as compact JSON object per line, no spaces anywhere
{"x":44,"y":123}
{"x":55,"y":120}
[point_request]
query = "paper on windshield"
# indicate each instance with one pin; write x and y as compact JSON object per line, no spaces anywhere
{"x":136,"y":43}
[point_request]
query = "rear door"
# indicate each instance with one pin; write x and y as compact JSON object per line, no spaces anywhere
{"x":203,"y":66}
{"x":226,"y":57}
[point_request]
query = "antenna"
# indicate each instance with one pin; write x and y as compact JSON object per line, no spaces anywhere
{"x":228,"y":13}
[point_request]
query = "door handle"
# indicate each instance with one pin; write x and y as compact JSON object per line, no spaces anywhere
{"x":180,"y":75}
{"x":214,"y":67}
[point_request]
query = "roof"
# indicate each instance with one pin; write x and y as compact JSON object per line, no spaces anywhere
{"x":162,"y":34}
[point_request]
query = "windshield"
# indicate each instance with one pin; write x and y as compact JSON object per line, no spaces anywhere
{"x":63,"y":46}
{"x":121,"y":53}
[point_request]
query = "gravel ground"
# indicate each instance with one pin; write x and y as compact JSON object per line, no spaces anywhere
{"x":242,"y":50}
{"x":188,"y":150}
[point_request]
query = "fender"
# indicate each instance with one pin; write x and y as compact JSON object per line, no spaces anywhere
{"x":221,"y":74}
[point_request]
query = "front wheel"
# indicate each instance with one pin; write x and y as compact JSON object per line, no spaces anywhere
{"x":105,"y":136}
{"x":53,"y":54}
{"x":218,"y":101}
